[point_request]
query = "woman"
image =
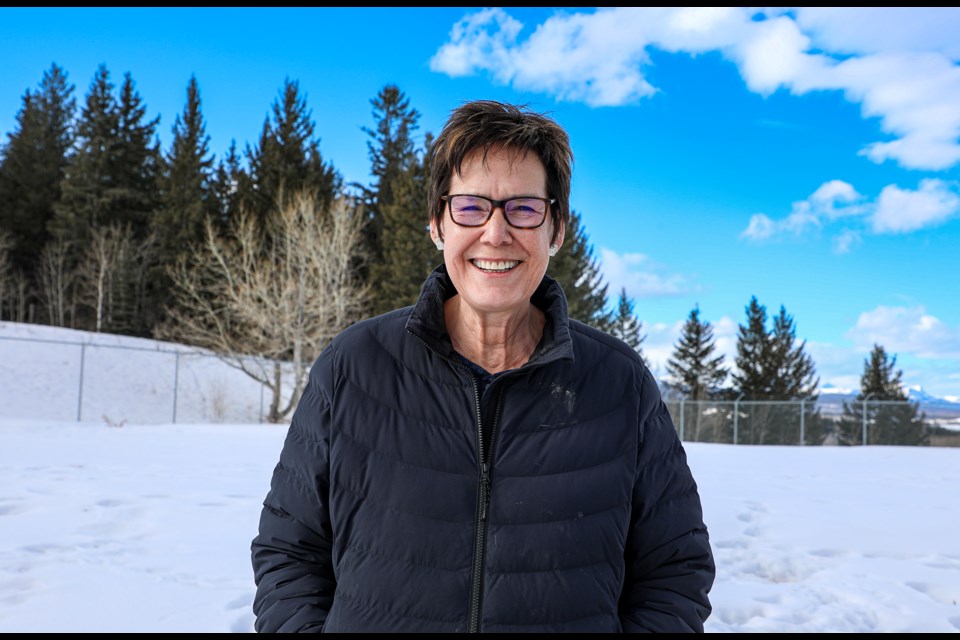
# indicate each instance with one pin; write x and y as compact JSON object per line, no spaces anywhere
{"x":479,"y":461}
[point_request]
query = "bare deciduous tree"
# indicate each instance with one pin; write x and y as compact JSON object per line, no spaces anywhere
{"x":56,"y":279}
{"x":95,"y":268}
{"x":278,"y":296}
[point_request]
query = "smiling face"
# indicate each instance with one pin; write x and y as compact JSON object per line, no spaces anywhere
{"x":496,"y":267}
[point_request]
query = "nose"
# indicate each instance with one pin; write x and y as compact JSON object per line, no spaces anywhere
{"x":497,"y":231}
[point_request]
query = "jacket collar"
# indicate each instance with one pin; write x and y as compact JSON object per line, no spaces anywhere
{"x":427,"y":322}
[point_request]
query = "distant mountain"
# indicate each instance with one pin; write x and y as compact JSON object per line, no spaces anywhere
{"x":831,"y":399}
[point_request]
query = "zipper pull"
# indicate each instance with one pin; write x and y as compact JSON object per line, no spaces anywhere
{"x":484,"y":491}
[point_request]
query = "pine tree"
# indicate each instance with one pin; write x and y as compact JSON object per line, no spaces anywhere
{"x":890,"y":417}
{"x":32,"y":169}
{"x":698,"y":374}
{"x":625,"y":324}
{"x":398,"y":246}
{"x":111,"y":179}
{"x":287,"y":160}
{"x":794,"y":371}
{"x":230,"y":182}
{"x":577,"y":271}
{"x":772,"y":367}
{"x":138,"y":163}
{"x":187,"y":196}
{"x":86,"y":201}
{"x":752,"y":377}
{"x":408,"y":256}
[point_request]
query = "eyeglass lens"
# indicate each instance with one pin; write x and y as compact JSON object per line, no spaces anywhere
{"x":475,"y":210}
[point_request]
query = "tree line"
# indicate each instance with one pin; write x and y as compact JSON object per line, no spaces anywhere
{"x":102,"y":229}
{"x":771,"y":367}
{"x":268,"y":251}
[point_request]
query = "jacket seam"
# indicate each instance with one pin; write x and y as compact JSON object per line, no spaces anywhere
{"x":400,"y":363}
{"x":619,"y":505}
{"x":384,"y":507}
{"x":622,"y":454}
{"x":361,"y":606}
{"x":399,"y":461}
{"x":604,"y":562}
{"x":373,"y":554}
{"x":395,"y":410}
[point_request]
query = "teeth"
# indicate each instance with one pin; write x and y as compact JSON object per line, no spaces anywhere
{"x":496,"y":265}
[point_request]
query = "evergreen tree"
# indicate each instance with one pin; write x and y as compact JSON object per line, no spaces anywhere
{"x":698,"y":374}
{"x":85,"y":200}
{"x":890,"y":417}
{"x":287,"y":159}
{"x":111,"y":179}
{"x":408,"y":256}
{"x":398,"y":243}
{"x":86,"y":197}
{"x":138,"y":163}
{"x":795,"y":373}
{"x":752,"y":377}
{"x":772,"y":367}
{"x":577,"y":271}
{"x":187,"y":196}
{"x":230,"y":182}
{"x":32,"y":169}
{"x":625,"y":324}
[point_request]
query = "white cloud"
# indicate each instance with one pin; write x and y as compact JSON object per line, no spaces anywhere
{"x":848,"y":30}
{"x":902,"y":210}
{"x":906,"y":330}
{"x":479,"y":41}
{"x":846,"y":241}
{"x":761,"y":227}
{"x":832,"y":200}
{"x":895,"y":210}
{"x":639,"y":276}
{"x":832,"y":192}
{"x":897,"y":63}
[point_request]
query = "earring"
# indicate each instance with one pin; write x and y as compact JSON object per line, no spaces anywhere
{"x":553,"y":250}
{"x":439,"y":244}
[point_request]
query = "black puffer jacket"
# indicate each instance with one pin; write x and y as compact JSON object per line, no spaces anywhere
{"x":383,"y":515}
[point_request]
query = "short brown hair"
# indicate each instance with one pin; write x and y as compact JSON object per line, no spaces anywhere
{"x":486,"y":124}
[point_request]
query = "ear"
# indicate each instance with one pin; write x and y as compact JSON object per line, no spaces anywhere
{"x":435,"y":232}
{"x":560,"y":234}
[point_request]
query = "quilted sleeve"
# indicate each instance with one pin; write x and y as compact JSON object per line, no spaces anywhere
{"x":292,"y":560}
{"x":669,"y":563}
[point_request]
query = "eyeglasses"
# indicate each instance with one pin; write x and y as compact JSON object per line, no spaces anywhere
{"x":527,"y":212}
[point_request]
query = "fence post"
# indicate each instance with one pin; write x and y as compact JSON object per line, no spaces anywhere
{"x":176,"y":378}
{"x":736,"y":417}
{"x":83,"y":350}
{"x":869,"y":395}
{"x":802,"y":441}
{"x":261,"y":403}
{"x":681,"y":419}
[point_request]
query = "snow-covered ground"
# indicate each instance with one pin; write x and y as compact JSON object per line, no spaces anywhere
{"x":147,"y":527}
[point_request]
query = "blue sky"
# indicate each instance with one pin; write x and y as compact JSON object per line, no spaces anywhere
{"x":807,"y":156}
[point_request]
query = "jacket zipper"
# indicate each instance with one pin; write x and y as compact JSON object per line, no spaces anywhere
{"x":483,"y":490}
{"x":483,"y":497}
{"x":486,"y":461}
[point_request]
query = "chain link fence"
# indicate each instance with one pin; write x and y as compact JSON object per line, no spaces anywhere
{"x":157,"y":383}
{"x":798,"y":422}
{"x":62,"y":380}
